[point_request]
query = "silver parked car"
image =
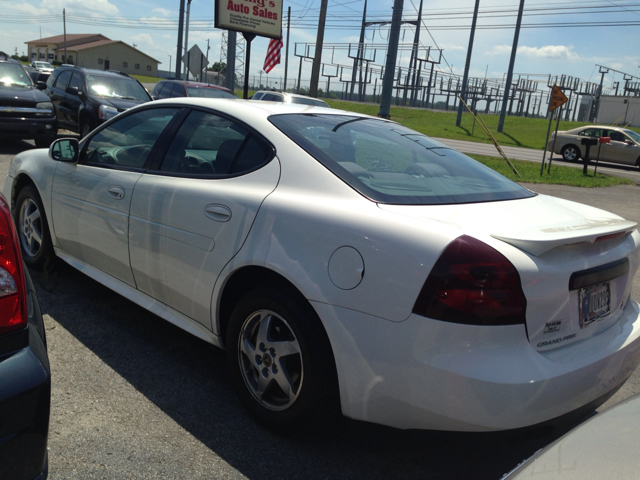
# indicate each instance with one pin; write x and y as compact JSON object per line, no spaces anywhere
{"x":624,"y":147}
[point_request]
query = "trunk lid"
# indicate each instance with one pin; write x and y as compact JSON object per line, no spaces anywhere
{"x":576,"y":262}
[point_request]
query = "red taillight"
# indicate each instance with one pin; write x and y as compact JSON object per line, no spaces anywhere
{"x":13,"y":296}
{"x":474,"y":284}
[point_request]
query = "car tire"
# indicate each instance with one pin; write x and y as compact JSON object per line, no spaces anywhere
{"x":570,"y":153}
{"x":33,"y":229}
{"x":281,"y":361}
{"x":638,"y":162}
{"x":87,"y":126}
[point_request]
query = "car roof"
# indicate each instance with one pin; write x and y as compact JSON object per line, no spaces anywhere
{"x":606,"y":127}
{"x":93,"y":71}
{"x":248,"y":108}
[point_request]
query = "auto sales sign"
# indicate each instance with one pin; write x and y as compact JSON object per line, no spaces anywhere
{"x":260,"y":17}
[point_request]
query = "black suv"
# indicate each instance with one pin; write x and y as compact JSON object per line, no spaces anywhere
{"x":25,"y":111}
{"x":85,"y":98}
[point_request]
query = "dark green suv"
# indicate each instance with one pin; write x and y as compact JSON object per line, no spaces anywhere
{"x":85,"y":98}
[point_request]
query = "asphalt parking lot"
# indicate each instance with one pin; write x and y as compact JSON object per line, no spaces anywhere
{"x":135,"y":397}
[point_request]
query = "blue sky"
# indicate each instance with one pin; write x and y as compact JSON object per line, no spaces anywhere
{"x":563,"y":48}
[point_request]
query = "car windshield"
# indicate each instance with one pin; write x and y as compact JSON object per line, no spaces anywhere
{"x":13,"y":74}
{"x":632,"y":134}
{"x":112,"y":86}
{"x":208,"y":92}
{"x":308,"y":101}
{"x":389,"y":163}
{"x":43,"y":65}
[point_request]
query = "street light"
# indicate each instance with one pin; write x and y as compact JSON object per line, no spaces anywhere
{"x":260,"y":72}
{"x":169,"y":65}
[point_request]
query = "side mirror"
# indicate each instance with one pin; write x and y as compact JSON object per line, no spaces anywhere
{"x":72,"y":91}
{"x":65,"y":150}
{"x":40,"y":85}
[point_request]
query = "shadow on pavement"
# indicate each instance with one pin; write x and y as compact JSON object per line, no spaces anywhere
{"x":187,"y":379}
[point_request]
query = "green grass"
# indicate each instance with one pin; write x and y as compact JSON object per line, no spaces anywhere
{"x":145,"y":79}
{"x":560,"y":175}
{"x":518,"y":131}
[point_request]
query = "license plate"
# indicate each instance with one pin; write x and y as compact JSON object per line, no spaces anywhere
{"x":595,"y":303}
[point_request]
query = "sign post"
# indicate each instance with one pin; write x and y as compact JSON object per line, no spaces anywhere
{"x":251,"y":18}
{"x":557,"y":100}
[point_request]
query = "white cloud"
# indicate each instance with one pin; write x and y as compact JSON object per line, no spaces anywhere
{"x":94,"y":7}
{"x":548,"y":52}
{"x":164,"y":12}
{"x":143,"y":39}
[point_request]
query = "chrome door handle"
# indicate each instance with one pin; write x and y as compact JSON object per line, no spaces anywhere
{"x":116,"y":191}
{"x":219,"y":213}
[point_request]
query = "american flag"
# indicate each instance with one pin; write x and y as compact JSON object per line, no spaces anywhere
{"x":273,"y":54}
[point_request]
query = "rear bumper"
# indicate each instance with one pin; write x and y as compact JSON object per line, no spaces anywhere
{"x":424,"y":373}
{"x":25,"y":397}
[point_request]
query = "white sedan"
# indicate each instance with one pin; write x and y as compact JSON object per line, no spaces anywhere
{"x":345,"y":263}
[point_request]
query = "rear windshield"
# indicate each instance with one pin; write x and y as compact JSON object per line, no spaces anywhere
{"x":389,"y":163}
{"x":208,"y":92}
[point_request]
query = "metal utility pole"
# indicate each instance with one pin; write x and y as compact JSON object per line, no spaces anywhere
{"x":286,"y":57}
{"x":512,"y":61}
{"x":463,"y":93}
{"x":603,"y":71}
{"x":315,"y":69}
{"x":180,"y":29}
{"x":186,"y":43}
{"x":357,"y":62}
{"x":413,"y":61}
{"x":207,"y":67}
{"x":230,"y":69}
{"x":390,"y":67}
{"x":64,"y":23}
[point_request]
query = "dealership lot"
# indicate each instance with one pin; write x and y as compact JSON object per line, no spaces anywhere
{"x":135,"y":397}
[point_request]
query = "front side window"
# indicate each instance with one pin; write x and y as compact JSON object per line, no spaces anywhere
{"x":77,"y":80}
{"x":63,"y":80}
{"x":389,"y":163}
{"x":128,"y":142}
{"x":207,"y":144}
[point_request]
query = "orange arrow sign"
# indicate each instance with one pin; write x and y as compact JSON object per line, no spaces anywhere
{"x":557,"y":98}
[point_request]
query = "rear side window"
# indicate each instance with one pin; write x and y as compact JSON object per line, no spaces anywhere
{"x":389,"y":163}
{"x":207,"y":144}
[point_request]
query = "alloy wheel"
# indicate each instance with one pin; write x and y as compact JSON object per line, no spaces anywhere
{"x":271,"y":360}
